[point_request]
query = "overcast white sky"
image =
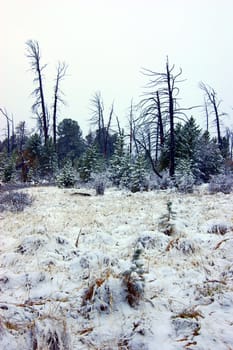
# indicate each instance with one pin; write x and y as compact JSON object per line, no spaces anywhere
{"x":106,"y":43}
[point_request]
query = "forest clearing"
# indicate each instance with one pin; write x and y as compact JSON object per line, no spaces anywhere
{"x":146,"y":270}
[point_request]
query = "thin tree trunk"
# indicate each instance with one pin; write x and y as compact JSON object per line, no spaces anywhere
{"x":107,"y":132}
{"x":171,"y":121}
{"x":160,"y":120}
{"x":207,"y":117}
{"x":217,"y":123}
{"x":44,"y":115}
{"x":55,"y":117}
{"x":61,"y":72}
{"x":8,"y":120}
{"x":149,"y":157}
{"x":131,"y":129}
{"x":33,"y":50}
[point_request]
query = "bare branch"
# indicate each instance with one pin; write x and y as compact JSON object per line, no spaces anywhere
{"x":213,"y":102}
{"x":34,"y":55}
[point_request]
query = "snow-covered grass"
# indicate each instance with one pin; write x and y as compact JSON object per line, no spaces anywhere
{"x":100,"y":272}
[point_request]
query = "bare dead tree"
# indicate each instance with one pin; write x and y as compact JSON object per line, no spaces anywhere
{"x":97,"y":117}
{"x":133,"y":145}
{"x":99,"y":120}
{"x":107,"y":129}
{"x":160,"y":108}
{"x":207,"y":115}
{"x":142,"y":144}
{"x":171,"y":91}
{"x":131,"y":128}
{"x":9,"y":122}
{"x":120,"y":131}
{"x":21,"y":135}
{"x":12,"y":133}
{"x":61,"y":72}
{"x":39,"y":106}
{"x":213,"y":104}
{"x":152,"y":120}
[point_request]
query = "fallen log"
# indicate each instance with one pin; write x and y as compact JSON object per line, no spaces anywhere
{"x":81,"y":194}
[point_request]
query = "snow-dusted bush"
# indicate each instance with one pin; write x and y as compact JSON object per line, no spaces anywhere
{"x":133,"y":280}
{"x":187,"y":323}
{"x":100,"y":295}
{"x":30,"y":245}
{"x":221,"y":183}
{"x":219,"y":228}
{"x":67,"y":176}
{"x":162,"y":183}
{"x":185,"y":183}
{"x":14,"y":201}
{"x":99,"y":187}
{"x":96,"y":297}
{"x":147,"y":241}
{"x":166,"y":224}
{"x":183,"y":245}
{"x":50,"y":334}
{"x":100,"y":182}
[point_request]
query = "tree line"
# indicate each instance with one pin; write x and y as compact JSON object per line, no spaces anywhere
{"x":162,"y":137}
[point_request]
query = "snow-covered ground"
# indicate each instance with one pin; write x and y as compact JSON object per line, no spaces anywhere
{"x":98,"y":272}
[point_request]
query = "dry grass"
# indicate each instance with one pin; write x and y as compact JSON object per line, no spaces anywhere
{"x":83,"y":245}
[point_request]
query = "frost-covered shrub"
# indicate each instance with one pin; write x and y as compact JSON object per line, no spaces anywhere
{"x":221,"y":183}
{"x":100,"y":188}
{"x":99,"y":184}
{"x":183,"y":245}
{"x":133,"y":280}
{"x":162,"y":183}
{"x":185,"y":183}
{"x":147,"y":241}
{"x":67,"y":176}
{"x":50,"y":334}
{"x":97,"y":296}
{"x":208,"y":290}
{"x":186,"y":326}
{"x":14,"y":201}
{"x":219,"y":228}
{"x":166,"y":224}
{"x":30,"y":245}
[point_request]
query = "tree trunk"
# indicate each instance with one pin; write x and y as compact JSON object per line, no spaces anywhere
{"x":55,"y":118}
{"x":8,"y":120}
{"x":171,"y":121}
{"x":217,"y":123}
{"x":160,"y":120}
{"x":61,"y":72}
{"x":34,"y":55}
{"x":44,"y":114}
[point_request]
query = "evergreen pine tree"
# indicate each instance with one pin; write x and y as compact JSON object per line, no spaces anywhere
{"x":89,"y":163}
{"x":119,"y":164}
{"x":186,"y":140}
{"x":138,"y":176}
{"x":48,"y":160}
{"x":67,"y":176}
{"x":184,"y":177}
{"x":208,"y":158}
